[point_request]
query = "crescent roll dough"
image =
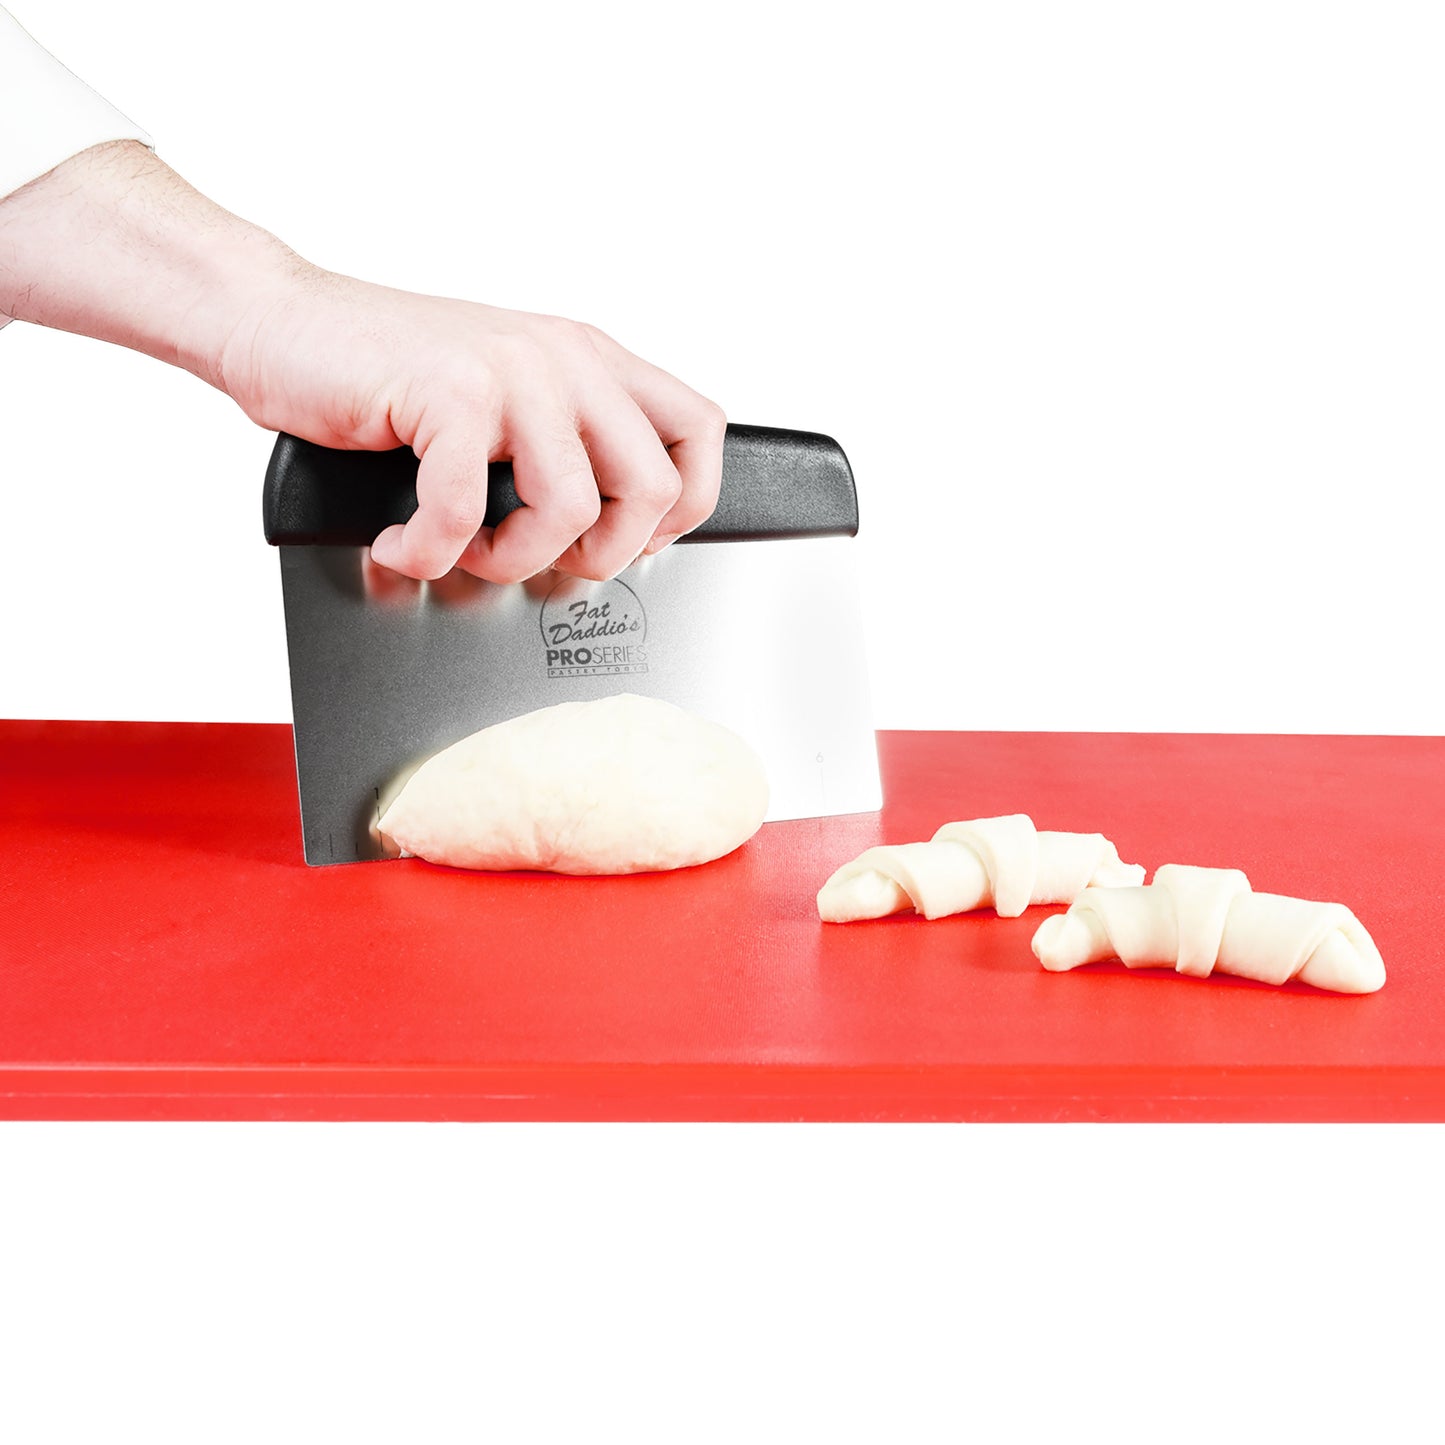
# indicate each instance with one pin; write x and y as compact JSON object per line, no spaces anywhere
{"x":1197,"y":920}
{"x":1000,"y":861}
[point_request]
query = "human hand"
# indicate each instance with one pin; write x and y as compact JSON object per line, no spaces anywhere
{"x":610,"y":455}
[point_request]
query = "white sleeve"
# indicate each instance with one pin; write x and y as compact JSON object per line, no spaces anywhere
{"x":47,"y":114}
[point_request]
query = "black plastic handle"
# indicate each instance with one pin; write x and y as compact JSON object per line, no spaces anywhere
{"x":775,"y":484}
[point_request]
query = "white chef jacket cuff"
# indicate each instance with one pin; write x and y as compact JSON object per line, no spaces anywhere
{"x":47,"y":113}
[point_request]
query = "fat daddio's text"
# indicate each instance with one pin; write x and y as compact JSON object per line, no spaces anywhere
{"x":586,"y":622}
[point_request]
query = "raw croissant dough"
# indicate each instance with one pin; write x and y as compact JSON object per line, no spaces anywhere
{"x":1197,"y":920}
{"x":624,"y":784}
{"x":998,"y":861}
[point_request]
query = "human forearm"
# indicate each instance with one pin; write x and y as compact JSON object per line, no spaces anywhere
{"x":113,"y":244}
{"x":610,"y":454}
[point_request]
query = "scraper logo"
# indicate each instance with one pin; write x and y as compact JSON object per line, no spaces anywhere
{"x":593,"y":629}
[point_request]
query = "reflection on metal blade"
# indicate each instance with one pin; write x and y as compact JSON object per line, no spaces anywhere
{"x":764,"y":637}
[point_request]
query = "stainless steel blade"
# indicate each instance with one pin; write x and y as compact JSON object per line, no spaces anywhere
{"x":763,"y":637}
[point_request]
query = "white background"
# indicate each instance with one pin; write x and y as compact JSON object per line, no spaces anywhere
{"x":1130,"y":320}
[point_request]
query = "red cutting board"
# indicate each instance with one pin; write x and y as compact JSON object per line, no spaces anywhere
{"x":165,"y":953}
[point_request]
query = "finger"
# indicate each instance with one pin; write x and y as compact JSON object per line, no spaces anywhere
{"x":388,"y":588}
{"x":689,"y":425}
{"x":451,"y":491}
{"x":637,"y":482}
{"x":553,"y":477}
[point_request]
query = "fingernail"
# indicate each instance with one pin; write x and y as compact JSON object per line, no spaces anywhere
{"x":658,"y":543}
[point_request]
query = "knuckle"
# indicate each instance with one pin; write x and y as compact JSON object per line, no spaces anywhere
{"x":469,"y":380}
{"x":453,"y":500}
{"x":448,"y":521}
{"x":555,"y":336}
{"x":712,"y":420}
{"x":580,"y":511}
{"x":568,"y":332}
{"x":523,"y":354}
{"x":464,"y":517}
{"x":663,"y":489}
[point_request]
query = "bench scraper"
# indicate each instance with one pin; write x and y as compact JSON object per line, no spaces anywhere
{"x":752,"y":621}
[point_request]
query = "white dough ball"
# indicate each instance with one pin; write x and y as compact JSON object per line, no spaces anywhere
{"x":624,"y":784}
